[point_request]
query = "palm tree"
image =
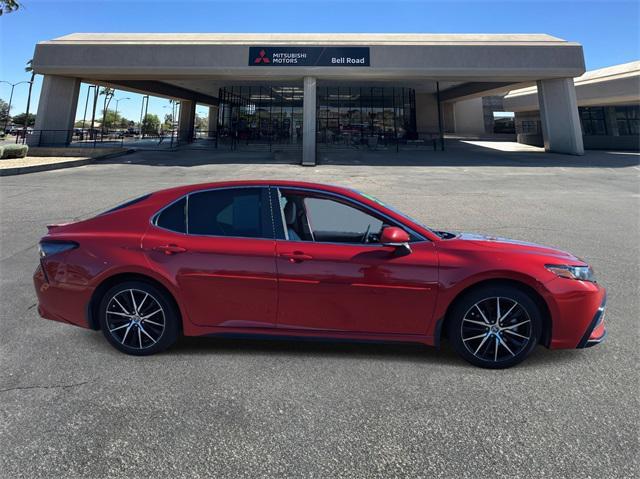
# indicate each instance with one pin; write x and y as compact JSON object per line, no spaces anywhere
{"x":8,"y":6}
{"x":29,"y":69}
{"x":108,"y":95}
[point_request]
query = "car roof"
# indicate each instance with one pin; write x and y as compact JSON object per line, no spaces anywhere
{"x":221,"y":184}
{"x":163,"y":196}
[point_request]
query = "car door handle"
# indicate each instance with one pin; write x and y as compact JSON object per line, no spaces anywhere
{"x":170,"y":249}
{"x":296,"y":256}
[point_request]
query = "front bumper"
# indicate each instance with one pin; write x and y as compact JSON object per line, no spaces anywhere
{"x":596,"y":331}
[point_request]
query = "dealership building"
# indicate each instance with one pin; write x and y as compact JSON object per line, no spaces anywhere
{"x":608,"y":106}
{"x":317,"y":89}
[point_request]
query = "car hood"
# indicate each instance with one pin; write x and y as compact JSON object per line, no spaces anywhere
{"x":496,"y":243}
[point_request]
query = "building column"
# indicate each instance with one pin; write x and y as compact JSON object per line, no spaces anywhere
{"x":213,"y":121}
{"x":559,"y":116}
{"x":56,"y":111}
{"x":309,"y":122}
{"x":449,"y":117}
{"x":186,"y":120}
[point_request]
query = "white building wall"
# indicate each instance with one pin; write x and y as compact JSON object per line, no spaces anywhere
{"x":469,"y":117}
{"x":426,"y":113}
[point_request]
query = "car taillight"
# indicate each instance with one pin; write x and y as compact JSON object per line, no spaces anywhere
{"x":49,"y":248}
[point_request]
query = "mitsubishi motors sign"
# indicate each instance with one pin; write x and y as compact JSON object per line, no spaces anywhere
{"x":309,"y":56}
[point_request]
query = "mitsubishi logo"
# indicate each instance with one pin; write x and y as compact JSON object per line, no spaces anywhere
{"x":262,"y":58}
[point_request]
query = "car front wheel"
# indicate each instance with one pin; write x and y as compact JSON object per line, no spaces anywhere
{"x":495,"y":327}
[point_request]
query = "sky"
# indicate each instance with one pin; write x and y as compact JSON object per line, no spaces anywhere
{"x":608,"y":30}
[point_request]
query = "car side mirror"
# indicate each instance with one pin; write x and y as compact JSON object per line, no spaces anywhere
{"x":396,"y":237}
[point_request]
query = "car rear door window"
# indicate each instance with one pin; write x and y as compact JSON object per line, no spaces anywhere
{"x":173,"y":217}
{"x":237,"y":212}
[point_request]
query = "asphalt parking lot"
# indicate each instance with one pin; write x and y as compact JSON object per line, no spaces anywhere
{"x":71,"y":406}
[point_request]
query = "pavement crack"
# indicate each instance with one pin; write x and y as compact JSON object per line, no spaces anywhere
{"x":54,"y":386}
{"x":32,"y":306}
{"x":2,"y":260}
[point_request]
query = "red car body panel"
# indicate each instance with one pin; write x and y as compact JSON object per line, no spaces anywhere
{"x":225,"y":285}
{"x":357,"y":288}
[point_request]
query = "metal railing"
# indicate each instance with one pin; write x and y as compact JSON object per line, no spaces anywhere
{"x":247,"y":140}
{"x":225,"y":140}
{"x":78,"y":138}
{"x":415,"y":141}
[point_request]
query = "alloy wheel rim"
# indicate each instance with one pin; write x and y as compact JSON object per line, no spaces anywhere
{"x":496,"y":329}
{"x":135,"y":318}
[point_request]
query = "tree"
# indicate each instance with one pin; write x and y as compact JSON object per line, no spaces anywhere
{"x":29,"y":69}
{"x":20,"y":119}
{"x":111,"y":119}
{"x":8,"y":6}
{"x":4,"y":111}
{"x":150,"y":124}
{"x":168,"y":122}
{"x":108,"y":95}
{"x":202,"y":123}
{"x":124,"y":123}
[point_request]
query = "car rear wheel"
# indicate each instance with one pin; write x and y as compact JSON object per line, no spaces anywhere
{"x":138,"y":318}
{"x":495,"y":327}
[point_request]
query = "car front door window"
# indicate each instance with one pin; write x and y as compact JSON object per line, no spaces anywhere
{"x":325,"y":220}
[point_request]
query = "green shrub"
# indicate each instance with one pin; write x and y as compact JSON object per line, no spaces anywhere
{"x":1,"y":151}
{"x":14,"y":151}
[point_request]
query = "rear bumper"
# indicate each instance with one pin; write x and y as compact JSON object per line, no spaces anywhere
{"x":61,"y":302}
{"x":596,"y":332}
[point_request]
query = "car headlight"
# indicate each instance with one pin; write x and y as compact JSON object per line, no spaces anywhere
{"x":582,"y":273}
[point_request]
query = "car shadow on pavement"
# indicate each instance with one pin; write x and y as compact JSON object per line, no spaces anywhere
{"x":409,"y":352}
{"x":327,"y":348}
{"x":541,"y":358}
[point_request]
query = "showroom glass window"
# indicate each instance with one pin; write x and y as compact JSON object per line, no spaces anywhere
{"x":628,"y":120}
{"x":235,"y":212}
{"x":529,"y":127}
{"x":357,"y":115}
{"x":593,"y":120}
{"x":260,"y":114}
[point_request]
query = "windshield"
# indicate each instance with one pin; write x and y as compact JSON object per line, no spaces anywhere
{"x":400,"y":213}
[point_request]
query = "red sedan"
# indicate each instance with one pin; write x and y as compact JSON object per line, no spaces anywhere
{"x":291,"y":259}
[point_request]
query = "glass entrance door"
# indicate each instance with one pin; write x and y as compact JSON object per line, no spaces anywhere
{"x":260,"y":114}
{"x":356,"y":116}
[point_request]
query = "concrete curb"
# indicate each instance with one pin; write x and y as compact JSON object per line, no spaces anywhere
{"x":21,"y":170}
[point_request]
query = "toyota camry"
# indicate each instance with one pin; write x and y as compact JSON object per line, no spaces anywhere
{"x":286,"y":259}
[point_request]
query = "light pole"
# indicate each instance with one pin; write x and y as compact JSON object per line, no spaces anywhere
{"x":118,"y":100}
{"x":174,"y":112}
{"x":145,"y":100}
{"x":92,"y":134}
{"x":86,"y":104}
{"x":13,"y":85}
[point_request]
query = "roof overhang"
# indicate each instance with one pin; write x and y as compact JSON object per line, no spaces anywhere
{"x":496,"y":59}
{"x":618,"y":84}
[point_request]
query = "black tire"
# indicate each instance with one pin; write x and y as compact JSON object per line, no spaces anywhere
{"x":128,"y":320}
{"x":478,"y":338}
